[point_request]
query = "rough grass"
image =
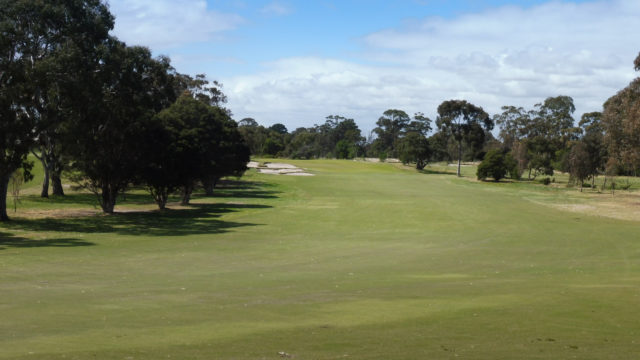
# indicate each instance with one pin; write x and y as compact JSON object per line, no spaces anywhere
{"x":361,"y":261}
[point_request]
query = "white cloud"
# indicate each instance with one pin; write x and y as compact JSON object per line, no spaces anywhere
{"x":162,"y":24}
{"x":504,"y":56}
{"x":276,"y":8}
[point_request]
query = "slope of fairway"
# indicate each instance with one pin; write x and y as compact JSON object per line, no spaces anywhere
{"x":361,"y":261}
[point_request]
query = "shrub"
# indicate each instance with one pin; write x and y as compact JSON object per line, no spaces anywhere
{"x":493,"y":165}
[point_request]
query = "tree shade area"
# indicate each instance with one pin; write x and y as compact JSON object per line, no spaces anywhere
{"x":83,"y":102}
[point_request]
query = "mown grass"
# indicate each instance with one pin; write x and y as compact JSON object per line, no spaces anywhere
{"x":361,"y":261}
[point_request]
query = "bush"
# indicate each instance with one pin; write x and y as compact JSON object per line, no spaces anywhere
{"x":493,"y":165}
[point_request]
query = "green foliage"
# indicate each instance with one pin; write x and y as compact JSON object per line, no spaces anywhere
{"x":193,"y":140}
{"x":464,"y":122}
{"x":414,"y":148}
{"x":345,"y":150}
{"x":392,"y":126}
{"x":493,"y":166}
{"x":497,"y":164}
{"x":43,"y":46}
{"x":279,"y":129}
{"x":272,"y":146}
{"x":106,"y":140}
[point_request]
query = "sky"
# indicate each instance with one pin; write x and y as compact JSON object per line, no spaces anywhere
{"x":297,"y":61}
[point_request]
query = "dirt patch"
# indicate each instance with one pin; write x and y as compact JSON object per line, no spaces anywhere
{"x":622,"y":205}
{"x":58,"y":213}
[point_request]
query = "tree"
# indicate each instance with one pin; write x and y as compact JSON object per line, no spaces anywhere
{"x":621,"y":123}
{"x":458,"y":119}
{"x":36,"y":37}
{"x":279,"y":129}
{"x":230,"y":158}
{"x":199,"y":139}
{"x":540,"y":138}
{"x":580,"y":166}
{"x":414,"y":148}
{"x":390,"y":126}
{"x":593,"y":140}
{"x":123,"y":93}
{"x":420,"y":124}
{"x":253,"y":134}
{"x":61,"y":35}
{"x":513,"y":123}
{"x":497,"y":164}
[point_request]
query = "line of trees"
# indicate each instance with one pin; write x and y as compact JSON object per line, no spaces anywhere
{"x":533,"y":141}
{"x":108,"y":114}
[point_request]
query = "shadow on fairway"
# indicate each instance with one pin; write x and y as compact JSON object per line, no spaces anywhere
{"x":244,"y":189}
{"x":437,"y":172}
{"x":8,"y":240}
{"x":196,"y":219}
{"x":199,"y":219}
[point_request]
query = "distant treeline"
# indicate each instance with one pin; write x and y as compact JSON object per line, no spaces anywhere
{"x":540,"y":140}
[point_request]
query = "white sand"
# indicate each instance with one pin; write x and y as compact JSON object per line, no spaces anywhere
{"x":278,"y":169}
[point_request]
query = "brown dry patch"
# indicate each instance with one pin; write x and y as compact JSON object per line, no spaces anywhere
{"x":622,"y":205}
{"x":59,"y":213}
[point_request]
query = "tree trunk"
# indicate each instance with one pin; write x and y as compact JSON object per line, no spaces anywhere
{"x":108,"y":199}
{"x":160,"y":195}
{"x":209,"y":184}
{"x":45,"y":182}
{"x":56,"y":184}
{"x":459,"y":156}
{"x":186,"y":194}
{"x":4,"y":188}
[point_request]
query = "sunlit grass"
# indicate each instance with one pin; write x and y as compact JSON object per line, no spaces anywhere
{"x":361,"y":261}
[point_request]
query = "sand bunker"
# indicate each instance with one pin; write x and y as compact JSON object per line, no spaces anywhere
{"x":277,"y":169}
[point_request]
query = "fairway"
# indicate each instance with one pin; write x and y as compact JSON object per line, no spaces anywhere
{"x":360,"y":261}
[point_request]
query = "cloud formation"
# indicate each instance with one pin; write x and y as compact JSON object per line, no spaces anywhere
{"x":163,"y":24}
{"x":276,"y":8}
{"x":505,"y":56}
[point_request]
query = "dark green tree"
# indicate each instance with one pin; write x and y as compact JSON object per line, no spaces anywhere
{"x":496,"y":164}
{"x":39,"y":47}
{"x":580,"y":166}
{"x":389,"y":128}
{"x":124,"y":92}
{"x":254,"y":135}
{"x":200,"y":141}
{"x":459,"y":119}
{"x":414,"y":148}
{"x":279,"y":129}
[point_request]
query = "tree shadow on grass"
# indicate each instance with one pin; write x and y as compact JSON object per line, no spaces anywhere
{"x":437,"y":172}
{"x":8,"y":240}
{"x":198,"y":219}
{"x":90,"y":199}
{"x":244,"y":189}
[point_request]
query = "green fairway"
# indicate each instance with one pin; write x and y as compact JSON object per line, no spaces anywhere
{"x":361,"y":261}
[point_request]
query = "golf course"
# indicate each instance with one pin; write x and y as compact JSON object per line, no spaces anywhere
{"x":360,"y":261}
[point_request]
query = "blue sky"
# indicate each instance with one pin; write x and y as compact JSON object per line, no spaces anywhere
{"x":296,"y":62}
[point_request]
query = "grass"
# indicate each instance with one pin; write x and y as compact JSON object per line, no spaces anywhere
{"x":361,"y":261}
